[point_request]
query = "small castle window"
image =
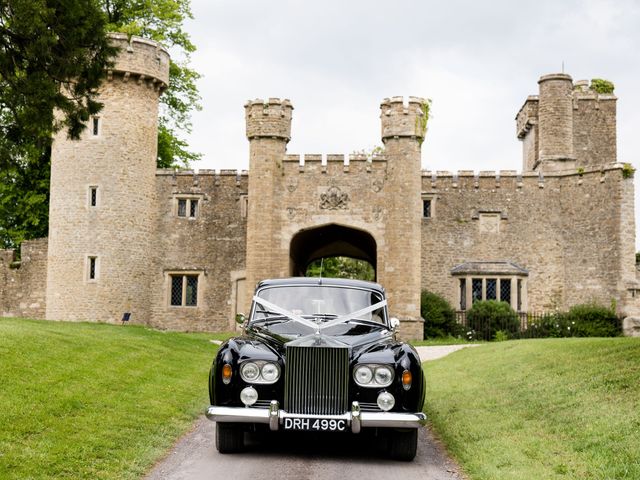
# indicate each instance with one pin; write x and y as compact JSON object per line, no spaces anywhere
{"x":95,"y":126}
{"x":426,"y":208}
{"x":92,"y":268}
{"x":491,"y":291}
{"x":184,"y":290}
{"x":93,"y":196}
{"x":476,"y":289}
{"x":505,"y":290}
{"x":428,"y":205}
{"x":187,"y":207}
{"x":244,"y":205}
{"x":182,"y":207}
{"x":463,"y":294}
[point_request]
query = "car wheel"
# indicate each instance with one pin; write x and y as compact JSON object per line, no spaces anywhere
{"x":403,"y":444}
{"x":229,"y":437}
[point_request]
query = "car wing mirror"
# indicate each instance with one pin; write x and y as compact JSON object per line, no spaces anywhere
{"x":395,"y":323}
{"x":240,"y":318}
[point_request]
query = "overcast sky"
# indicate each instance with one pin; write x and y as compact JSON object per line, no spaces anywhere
{"x":336,"y":60}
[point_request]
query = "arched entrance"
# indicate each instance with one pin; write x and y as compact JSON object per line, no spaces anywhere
{"x":330,"y":241}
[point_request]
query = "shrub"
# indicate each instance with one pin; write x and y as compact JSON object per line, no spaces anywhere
{"x":439,"y":317}
{"x":602,"y":86}
{"x":486,"y":318}
{"x":551,"y":325}
{"x":592,"y":320}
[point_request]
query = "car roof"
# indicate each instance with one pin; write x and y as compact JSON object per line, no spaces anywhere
{"x":337,"y":282}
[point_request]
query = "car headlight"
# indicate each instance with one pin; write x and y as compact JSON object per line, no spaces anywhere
{"x":260,"y":372}
{"x":363,"y":375}
{"x":369,"y":375}
{"x":270,"y":372}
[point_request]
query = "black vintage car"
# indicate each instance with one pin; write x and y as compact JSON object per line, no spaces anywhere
{"x":318,"y":355}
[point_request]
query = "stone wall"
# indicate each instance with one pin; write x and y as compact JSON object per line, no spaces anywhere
{"x":212,"y":245}
{"x":567,"y":230}
{"x":23,"y":283}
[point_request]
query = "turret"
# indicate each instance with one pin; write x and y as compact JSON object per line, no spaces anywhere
{"x":403,"y":129}
{"x":403,"y":120}
{"x":268,"y":132}
{"x":555,"y":115}
{"x":271,"y":119}
{"x":567,"y":126}
{"x":102,"y":208}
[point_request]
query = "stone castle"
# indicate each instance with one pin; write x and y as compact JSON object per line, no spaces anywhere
{"x":183,"y":250}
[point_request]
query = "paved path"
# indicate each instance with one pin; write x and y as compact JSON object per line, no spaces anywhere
{"x":299,"y":457}
{"x":304,"y":456}
{"x":434,"y":353}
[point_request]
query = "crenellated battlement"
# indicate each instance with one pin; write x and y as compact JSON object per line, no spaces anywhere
{"x":140,"y":60}
{"x":400,"y":119}
{"x":271,"y":118}
{"x":500,"y":179}
{"x":201,"y":178}
{"x":333,"y":163}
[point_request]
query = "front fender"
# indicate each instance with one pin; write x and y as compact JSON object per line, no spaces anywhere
{"x":401,"y":356}
{"x":234,"y":352}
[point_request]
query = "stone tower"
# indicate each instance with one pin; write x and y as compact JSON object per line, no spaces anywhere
{"x":403,"y":129}
{"x":555,"y":116}
{"x":567,"y":126}
{"x":268,"y":131}
{"x":103,"y":208}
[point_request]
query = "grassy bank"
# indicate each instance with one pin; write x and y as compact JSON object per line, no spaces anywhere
{"x":541,"y":409}
{"x":82,"y":400}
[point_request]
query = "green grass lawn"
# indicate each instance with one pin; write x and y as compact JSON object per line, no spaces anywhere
{"x":540,"y":409}
{"x":86,"y":400}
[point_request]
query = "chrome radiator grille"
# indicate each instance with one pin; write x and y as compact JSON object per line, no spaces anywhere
{"x":316,"y":380}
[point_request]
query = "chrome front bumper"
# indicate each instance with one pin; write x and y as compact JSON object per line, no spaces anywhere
{"x":356,"y":419}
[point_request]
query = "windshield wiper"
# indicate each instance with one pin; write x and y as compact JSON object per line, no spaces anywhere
{"x":362,"y":321}
{"x":267,"y":312}
{"x":264,"y":322}
{"x":323,"y":316}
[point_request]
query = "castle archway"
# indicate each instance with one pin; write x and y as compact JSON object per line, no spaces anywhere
{"x":330,"y":240}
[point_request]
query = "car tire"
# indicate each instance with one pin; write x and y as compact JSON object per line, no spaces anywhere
{"x":403,"y":444}
{"x":229,"y":437}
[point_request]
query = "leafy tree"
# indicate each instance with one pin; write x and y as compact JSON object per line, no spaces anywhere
{"x":162,"y":20}
{"x":341,"y":267}
{"x":53,"y":55}
{"x":24,"y":201}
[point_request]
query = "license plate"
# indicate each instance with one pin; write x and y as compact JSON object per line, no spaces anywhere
{"x":315,"y":424}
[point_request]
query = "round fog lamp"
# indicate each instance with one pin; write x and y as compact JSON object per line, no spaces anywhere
{"x":249,"y":396}
{"x":386,"y":401}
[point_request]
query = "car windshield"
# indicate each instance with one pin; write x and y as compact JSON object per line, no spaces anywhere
{"x":319,"y":302}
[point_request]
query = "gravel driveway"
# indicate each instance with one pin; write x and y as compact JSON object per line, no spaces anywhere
{"x":305,"y":456}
